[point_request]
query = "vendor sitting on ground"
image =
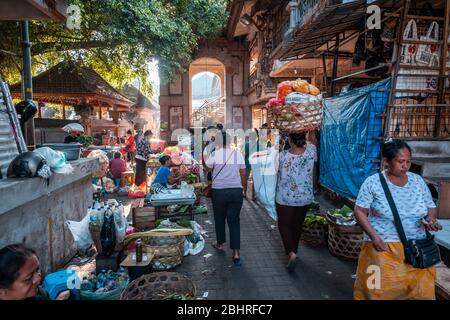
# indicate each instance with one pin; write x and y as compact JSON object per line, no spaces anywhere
{"x":117,"y":166}
{"x":20,"y":274}
{"x":164,"y":175}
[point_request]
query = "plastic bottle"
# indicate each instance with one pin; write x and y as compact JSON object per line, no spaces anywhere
{"x":138,"y":250}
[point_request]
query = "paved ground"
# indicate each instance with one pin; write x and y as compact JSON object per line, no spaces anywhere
{"x":319,"y":275}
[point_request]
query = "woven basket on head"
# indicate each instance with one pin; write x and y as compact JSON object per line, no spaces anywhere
{"x":159,"y":286}
{"x":344,"y":241}
{"x":297,"y":117}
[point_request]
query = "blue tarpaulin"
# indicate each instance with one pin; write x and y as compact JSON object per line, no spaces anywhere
{"x":350,"y":137}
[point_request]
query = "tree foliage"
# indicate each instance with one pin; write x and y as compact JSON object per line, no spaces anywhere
{"x":118,"y":38}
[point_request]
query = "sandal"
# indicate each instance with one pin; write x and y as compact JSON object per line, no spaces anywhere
{"x":237,"y":262}
{"x":216,"y":246}
{"x":291,"y":263}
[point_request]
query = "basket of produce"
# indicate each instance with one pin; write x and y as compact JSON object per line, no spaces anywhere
{"x":160,"y":286}
{"x":345,"y":237}
{"x":297,"y":107}
{"x":315,"y":228}
{"x":104,"y":286}
{"x":167,"y":246}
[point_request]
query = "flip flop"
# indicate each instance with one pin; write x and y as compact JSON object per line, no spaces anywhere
{"x":215,"y":246}
{"x":237,"y":262}
{"x":291,"y":264}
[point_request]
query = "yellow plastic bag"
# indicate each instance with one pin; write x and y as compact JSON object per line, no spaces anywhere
{"x":385,"y":276}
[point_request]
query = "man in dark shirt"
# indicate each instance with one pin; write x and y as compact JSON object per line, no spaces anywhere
{"x":72,"y":137}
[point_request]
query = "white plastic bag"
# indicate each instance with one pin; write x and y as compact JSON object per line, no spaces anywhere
{"x":80,"y":232}
{"x":55,"y":159}
{"x":121,"y":227}
{"x":194,"y":248}
{"x":265,"y":178}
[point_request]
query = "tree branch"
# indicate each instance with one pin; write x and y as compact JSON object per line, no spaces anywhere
{"x":45,"y":47}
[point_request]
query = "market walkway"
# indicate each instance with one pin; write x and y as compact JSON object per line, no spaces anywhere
{"x":319,"y":275}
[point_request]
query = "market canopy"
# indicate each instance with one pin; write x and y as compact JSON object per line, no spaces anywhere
{"x":70,"y":84}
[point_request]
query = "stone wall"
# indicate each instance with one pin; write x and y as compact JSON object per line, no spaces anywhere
{"x":36,"y":214}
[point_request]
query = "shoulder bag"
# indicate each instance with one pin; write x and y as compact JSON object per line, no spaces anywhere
{"x":420,"y":253}
{"x":207,"y":192}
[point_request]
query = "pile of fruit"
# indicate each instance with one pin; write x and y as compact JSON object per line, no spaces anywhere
{"x":297,"y":107}
{"x":343,"y":216}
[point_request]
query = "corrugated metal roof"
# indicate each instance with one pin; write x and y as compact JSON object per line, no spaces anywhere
{"x":11,"y":139}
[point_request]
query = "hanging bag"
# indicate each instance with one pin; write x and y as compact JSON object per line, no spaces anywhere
{"x":428,"y":54}
{"x":409,"y":50}
{"x":406,"y":78}
{"x":420,"y":253}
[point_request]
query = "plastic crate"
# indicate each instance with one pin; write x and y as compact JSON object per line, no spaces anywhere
{"x":56,"y":282}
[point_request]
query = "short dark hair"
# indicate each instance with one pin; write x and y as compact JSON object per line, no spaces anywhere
{"x":12,"y":259}
{"x":391,"y":148}
{"x":164,"y":159}
{"x":219,"y":126}
{"x":299,"y":139}
{"x":129,"y":132}
{"x":226,"y":138}
{"x":117,"y":155}
{"x":148,"y":133}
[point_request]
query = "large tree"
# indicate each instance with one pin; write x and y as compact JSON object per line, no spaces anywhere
{"x":118,"y":38}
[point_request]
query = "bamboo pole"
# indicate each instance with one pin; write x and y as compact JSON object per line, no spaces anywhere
{"x":443,"y":71}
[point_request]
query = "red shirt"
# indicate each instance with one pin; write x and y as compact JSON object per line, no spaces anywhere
{"x":130,"y":143}
{"x":117,"y":166}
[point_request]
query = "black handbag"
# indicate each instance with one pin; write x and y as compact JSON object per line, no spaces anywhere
{"x":420,"y":253}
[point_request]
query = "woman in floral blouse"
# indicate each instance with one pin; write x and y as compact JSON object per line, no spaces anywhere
{"x":294,"y":192}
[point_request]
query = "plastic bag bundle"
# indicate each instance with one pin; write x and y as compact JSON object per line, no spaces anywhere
{"x":56,"y":160}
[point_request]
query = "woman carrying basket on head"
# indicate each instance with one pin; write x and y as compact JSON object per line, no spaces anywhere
{"x":295,"y":191}
{"x":382,"y":253}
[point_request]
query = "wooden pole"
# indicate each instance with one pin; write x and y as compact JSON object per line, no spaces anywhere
{"x":335,"y":66}
{"x":442,"y":73}
{"x":325,"y":76}
{"x":396,"y":67}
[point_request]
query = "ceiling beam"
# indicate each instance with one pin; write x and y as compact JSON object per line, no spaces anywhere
{"x":236,"y":10}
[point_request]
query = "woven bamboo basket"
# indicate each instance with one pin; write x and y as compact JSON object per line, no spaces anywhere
{"x":168,"y":249}
{"x":315,"y":232}
{"x":159,"y":286}
{"x":297,"y":117}
{"x":344,"y":241}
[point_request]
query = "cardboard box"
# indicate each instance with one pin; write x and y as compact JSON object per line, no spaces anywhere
{"x":144,"y":218}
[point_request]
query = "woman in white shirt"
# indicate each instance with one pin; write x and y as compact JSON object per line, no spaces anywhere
{"x":294,"y":192}
{"x":382,"y":251}
{"x":229,"y":184}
